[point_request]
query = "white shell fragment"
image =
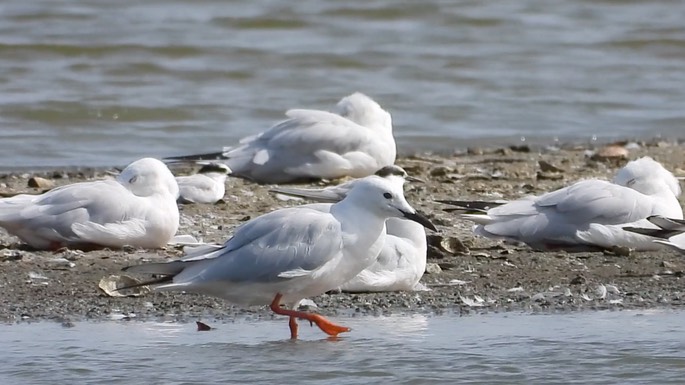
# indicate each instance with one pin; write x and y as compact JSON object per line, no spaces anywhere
{"x":111,"y":283}
{"x":475,"y":302}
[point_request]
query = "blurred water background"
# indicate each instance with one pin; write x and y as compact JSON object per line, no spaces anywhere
{"x":102,"y":83}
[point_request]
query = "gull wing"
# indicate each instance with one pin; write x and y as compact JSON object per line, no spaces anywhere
{"x":325,"y":144}
{"x":331,"y":194}
{"x":558,"y":215}
{"x":283,"y":244}
{"x":55,"y":212}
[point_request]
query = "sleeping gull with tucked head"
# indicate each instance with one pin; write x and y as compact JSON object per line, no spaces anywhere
{"x":291,"y":254}
{"x":402,"y":260}
{"x":138,"y":209}
{"x":207,"y":186}
{"x":354,"y":140}
{"x":588,"y":214}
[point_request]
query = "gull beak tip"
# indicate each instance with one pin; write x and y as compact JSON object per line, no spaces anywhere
{"x":420,"y":219}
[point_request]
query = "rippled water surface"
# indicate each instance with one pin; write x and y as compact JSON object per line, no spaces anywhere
{"x":101,"y":83}
{"x":599,"y":348}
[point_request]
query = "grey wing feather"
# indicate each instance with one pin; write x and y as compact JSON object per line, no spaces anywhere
{"x":328,"y":195}
{"x":311,"y":132}
{"x":262,"y":250}
{"x":667,"y":227}
{"x":558,"y":214}
{"x":58,"y":209}
{"x":599,"y":201}
{"x":668,"y":223}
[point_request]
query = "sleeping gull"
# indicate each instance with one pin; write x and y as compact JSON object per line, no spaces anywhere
{"x":292,"y":253}
{"x":402,"y":260}
{"x":588,"y":214}
{"x":207,"y":186}
{"x":138,"y":208}
{"x":355,"y":140}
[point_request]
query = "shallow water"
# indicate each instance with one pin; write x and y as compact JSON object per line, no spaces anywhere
{"x":592,"y":347}
{"x":102,"y":83}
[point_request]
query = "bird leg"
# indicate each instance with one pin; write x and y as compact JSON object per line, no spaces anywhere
{"x":325,"y":325}
{"x":293,"y":327}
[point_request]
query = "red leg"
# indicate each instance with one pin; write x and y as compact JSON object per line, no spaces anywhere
{"x":293,"y":328}
{"x":325,"y":325}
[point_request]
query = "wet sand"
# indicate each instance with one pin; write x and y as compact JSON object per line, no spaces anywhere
{"x":475,"y":274}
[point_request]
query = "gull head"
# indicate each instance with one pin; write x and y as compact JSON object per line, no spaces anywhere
{"x":395,"y":171}
{"x":647,"y":176}
{"x":386,"y":199}
{"x":148,"y":176}
{"x":217,"y":168}
{"x":364,"y":111}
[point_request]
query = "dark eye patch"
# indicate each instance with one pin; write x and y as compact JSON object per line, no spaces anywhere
{"x":387,"y":195}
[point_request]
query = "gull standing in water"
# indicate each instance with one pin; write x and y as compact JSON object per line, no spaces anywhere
{"x":207,"y":186}
{"x":138,"y":209}
{"x":293,"y":253}
{"x":402,"y":260}
{"x":588,"y":214}
{"x":355,"y":140}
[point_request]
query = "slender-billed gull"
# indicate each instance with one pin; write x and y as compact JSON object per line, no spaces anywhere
{"x":355,"y":140}
{"x":590,"y":213}
{"x":402,"y":260}
{"x":138,"y":208}
{"x":665,"y":231}
{"x":207,"y":186}
{"x":292,"y":253}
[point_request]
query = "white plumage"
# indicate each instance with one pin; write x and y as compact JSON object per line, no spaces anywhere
{"x":669,"y":232}
{"x":207,"y":186}
{"x":402,"y":260}
{"x":293,"y":253}
{"x":588,"y":213}
{"x":137,"y":209}
{"x":355,"y":140}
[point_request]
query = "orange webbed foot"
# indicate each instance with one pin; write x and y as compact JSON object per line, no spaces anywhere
{"x":324,"y":324}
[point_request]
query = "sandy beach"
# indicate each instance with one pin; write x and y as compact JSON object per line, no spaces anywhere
{"x":466,"y":274}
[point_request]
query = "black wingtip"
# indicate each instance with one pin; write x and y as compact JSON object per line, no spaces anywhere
{"x":195,"y":157}
{"x":471,"y":205}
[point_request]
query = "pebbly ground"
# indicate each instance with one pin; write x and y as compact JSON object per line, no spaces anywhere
{"x":466,"y":274}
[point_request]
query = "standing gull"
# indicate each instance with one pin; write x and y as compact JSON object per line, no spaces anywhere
{"x":292,"y":253}
{"x":207,"y":186}
{"x":355,"y":140}
{"x":587,"y":214}
{"x":402,"y":260}
{"x":138,"y":209}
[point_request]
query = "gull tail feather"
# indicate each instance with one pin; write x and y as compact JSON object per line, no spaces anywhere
{"x":672,"y":245}
{"x":168,"y":268}
{"x":155,"y":281}
{"x":481,"y":219}
{"x":668,"y":223}
{"x":667,"y":227}
{"x":656,"y":233}
{"x":167,"y":271}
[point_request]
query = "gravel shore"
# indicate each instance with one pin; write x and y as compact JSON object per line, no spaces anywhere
{"x":467,"y":274}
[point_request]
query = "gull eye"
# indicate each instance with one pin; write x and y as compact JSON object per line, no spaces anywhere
{"x":387,"y":195}
{"x":133,"y":180}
